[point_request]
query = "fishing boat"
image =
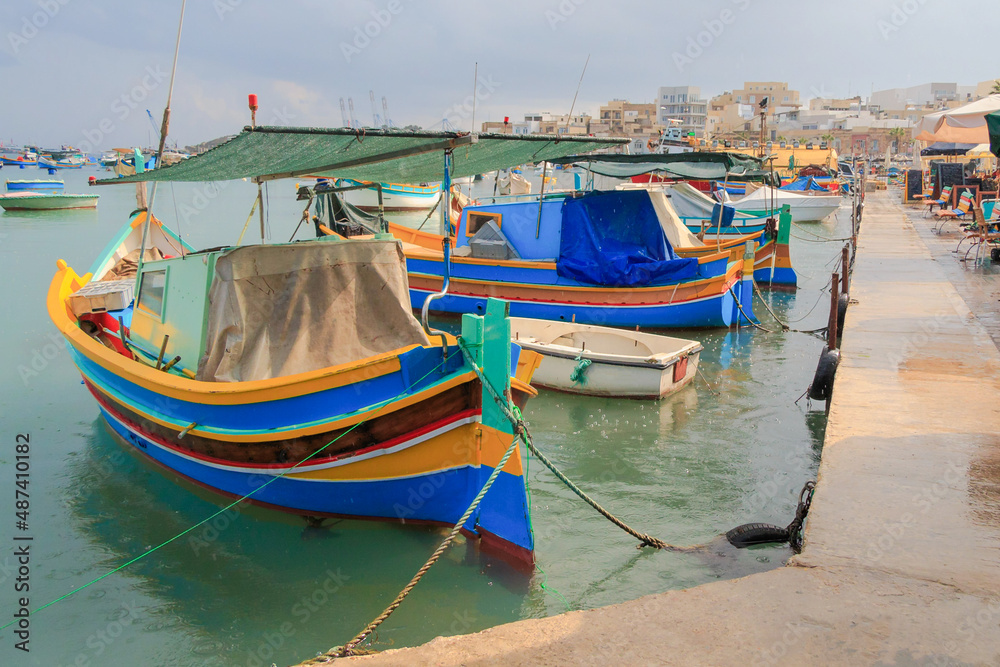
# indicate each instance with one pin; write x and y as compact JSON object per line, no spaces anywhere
{"x":676,"y":172}
{"x":698,"y":211}
{"x":71,"y":162}
{"x":36,"y":185}
{"x":594,"y":258}
{"x":20,"y":161}
{"x":603,"y":361}
{"x":395,"y":196}
{"x":772,"y":264}
{"x":295,"y":374}
{"x":39,"y":201}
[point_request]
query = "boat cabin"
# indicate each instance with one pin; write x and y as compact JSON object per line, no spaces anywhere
{"x":261,"y":312}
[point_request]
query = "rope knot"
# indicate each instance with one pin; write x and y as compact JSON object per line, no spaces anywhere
{"x":650,"y":541}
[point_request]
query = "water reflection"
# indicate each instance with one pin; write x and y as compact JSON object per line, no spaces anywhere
{"x":250,"y":570}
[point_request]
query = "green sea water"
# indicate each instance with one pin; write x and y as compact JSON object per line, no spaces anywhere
{"x":255,"y":587}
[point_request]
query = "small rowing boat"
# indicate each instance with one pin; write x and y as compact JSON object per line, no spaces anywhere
{"x":602,"y":361}
{"x":38,"y":201}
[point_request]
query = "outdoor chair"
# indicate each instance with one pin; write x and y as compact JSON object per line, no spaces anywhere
{"x":942,"y":200}
{"x":964,"y":206}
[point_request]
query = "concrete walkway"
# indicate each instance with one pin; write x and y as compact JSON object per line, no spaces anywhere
{"x":902,"y":557}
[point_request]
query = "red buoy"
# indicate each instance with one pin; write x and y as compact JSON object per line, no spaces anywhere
{"x":253,"y":102}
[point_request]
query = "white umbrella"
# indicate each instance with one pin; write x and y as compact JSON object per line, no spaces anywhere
{"x":965,"y":124}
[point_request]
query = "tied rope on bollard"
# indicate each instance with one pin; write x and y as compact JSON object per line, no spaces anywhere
{"x":513,"y":414}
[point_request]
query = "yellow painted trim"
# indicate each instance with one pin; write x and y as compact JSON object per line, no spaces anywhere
{"x":450,"y":449}
{"x":66,"y":282}
{"x":734,"y":268}
{"x":346,"y":422}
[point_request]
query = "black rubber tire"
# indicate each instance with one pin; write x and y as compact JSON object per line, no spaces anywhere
{"x":995,"y":254}
{"x":822,"y":384}
{"x":842,"y":301}
{"x":750,"y":534}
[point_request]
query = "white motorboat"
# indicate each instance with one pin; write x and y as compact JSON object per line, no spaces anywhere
{"x":811,"y":207}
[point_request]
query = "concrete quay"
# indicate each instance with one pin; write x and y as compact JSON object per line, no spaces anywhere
{"x":901,"y":564}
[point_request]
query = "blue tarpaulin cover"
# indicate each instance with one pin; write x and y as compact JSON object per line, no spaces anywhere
{"x":615,"y":239}
{"x":804,"y":183}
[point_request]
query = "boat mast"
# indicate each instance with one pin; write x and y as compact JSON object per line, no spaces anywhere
{"x":164,"y":128}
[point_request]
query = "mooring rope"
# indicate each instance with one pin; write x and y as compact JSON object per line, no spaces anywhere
{"x":349,"y":648}
{"x":521,"y":431}
{"x":377,"y":408}
{"x":743,"y":312}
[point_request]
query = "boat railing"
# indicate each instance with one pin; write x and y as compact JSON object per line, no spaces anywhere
{"x":529,"y":197}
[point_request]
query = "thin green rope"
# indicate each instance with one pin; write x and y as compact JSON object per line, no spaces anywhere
{"x":229,"y":506}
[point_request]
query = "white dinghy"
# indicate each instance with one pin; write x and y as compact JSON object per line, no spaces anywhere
{"x":602,"y":361}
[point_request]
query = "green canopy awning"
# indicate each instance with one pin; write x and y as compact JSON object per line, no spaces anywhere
{"x":383,"y":156}
{"x":993,"y":126}
{"x":695,"y":165}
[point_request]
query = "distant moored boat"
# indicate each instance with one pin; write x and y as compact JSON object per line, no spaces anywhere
{"x":38,"y":201}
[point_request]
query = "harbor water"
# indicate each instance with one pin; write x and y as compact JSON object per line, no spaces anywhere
{"x":254,"y":586}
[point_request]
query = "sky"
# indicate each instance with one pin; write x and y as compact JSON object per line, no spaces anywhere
{"x":85,"y":72}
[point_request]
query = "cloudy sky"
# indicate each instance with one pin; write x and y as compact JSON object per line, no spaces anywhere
{"x":84,"y":72}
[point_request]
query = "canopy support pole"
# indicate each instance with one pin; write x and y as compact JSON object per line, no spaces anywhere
{"x":260,"y":211}
{"x":382,"y":226}
{"x":541,"y":196}
{"x":446,"y":250}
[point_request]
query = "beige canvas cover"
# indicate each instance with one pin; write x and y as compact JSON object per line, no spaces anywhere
{"x":677,"y":233}
{"x":284,"y":309}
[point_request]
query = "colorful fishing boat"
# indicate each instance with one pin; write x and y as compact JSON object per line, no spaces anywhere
{"x":40,"y":201}
{"x":602,"y":361}
{"x":698,"y":211}
{"x":295,"y":374}
{"x":394,"y":196}
{"x":72,"y":162}
{"x":596,"y":258}
{"x":772,"y":265}
{"x":36,"y":185}
{"x":19,"y":161}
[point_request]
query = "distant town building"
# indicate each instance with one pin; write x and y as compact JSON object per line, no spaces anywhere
{"x":683,"y":103}
{"x":626,"y":119}
{"x":934,"y":94}
{"x":835,"y":104}
{"x":737,"y":112}
{"x":543,"y":123}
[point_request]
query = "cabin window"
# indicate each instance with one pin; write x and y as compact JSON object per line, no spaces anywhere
{"x":151,"y":291}
{"x":476,"y":220}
